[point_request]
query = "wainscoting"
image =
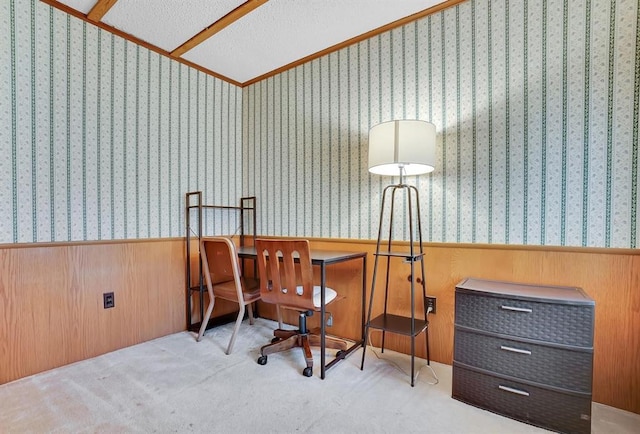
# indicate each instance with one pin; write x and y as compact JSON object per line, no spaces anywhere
{"x":51,"y":304}
{"x":610,"y":276}
{"x":51,"y":311}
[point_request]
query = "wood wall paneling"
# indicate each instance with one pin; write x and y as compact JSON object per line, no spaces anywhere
{"x":51,"y":300}
{"x":611,"y":277}
{"x":52,"y":306}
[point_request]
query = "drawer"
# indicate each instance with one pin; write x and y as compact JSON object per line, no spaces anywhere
{"x":570,"y":413}
{"x":567,"y":324}
{"x":559,"y":367}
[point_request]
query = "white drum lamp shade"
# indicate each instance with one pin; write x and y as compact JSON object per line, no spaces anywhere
{"x":402,"y":147}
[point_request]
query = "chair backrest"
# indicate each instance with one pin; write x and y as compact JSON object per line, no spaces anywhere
{"x":220,"y":262}
{"x":281,"y":282}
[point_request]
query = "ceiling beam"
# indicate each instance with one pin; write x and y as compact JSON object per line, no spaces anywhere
{"x":100,"y":9}
{"x":214,"y":28}
{"x":75,"y":13}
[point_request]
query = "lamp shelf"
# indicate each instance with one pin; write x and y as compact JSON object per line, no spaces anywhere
{"x":398,"y":324}
{"x":406,"y":255}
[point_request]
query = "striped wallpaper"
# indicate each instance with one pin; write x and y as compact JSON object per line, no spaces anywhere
{"x":536,"y":108}
{"x":101,"y":138}
{"x":536,"y":105}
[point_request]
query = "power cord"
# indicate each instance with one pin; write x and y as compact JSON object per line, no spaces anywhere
{"x":395,"y":365}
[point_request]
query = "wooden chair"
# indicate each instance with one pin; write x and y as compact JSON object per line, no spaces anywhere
{"x":221,"y":269}
{"x":291,"y":287}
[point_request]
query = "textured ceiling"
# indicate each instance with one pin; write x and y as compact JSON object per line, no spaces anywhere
{"x":167,"y":23}
{"x":250,"y":39}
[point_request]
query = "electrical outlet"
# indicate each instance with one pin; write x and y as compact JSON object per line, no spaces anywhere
{"x":431,"y":304}
{"x":108,"y":300}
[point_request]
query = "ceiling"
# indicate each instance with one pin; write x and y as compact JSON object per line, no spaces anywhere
{"x":244,"y":41}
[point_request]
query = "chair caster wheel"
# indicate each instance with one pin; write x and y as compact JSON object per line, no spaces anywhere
{"x":307,"y":372}
{"x":340,"y":355}
{"x":262,"y":360}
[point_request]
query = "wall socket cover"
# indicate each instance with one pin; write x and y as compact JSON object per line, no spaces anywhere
{"x":431,"y":303}
{"x":108,"y":299}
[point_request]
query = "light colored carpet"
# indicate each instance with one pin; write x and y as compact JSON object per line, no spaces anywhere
{"x":175,"y":384}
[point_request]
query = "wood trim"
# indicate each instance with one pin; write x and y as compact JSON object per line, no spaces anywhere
{"x":537,"y":248}
{"x":100,"y":9}
{"x":66,"y":9}
{"x":481,"y":246}
{"x":603,"y":250}
{"x":87,"y":243}
{"x":231,"y":17}
{"x":356,"y":39}
{"x":214,"y":28}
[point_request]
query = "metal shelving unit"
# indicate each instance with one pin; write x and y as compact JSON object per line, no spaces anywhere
{"x":195,"y":211}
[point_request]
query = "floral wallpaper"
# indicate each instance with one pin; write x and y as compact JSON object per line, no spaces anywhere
{"x":536,"y":109}
{"x":536,"y":106}
{"x":102,"y":138}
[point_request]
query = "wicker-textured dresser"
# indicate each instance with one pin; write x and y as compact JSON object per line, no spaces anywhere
{"x":525,"y":351}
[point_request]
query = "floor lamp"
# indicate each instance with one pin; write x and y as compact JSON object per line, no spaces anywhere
{"x":403,"y":148}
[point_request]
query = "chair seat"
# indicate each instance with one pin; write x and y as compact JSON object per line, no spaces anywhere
{"x":329,"y":295}
{"x":227,"y":290}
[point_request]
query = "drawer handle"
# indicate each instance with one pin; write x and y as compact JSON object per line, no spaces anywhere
{"x":512,"y":390}
{"x":517,"y":309}
{"x":515,"y":350}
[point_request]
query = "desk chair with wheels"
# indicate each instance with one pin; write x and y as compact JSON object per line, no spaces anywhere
{"x":221,"y":270}
{"x":291,"y":287}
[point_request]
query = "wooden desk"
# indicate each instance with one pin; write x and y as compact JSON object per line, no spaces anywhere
{"x":323,"y":258}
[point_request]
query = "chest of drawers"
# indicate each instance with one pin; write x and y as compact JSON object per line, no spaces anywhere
{"x":525,"y":351}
